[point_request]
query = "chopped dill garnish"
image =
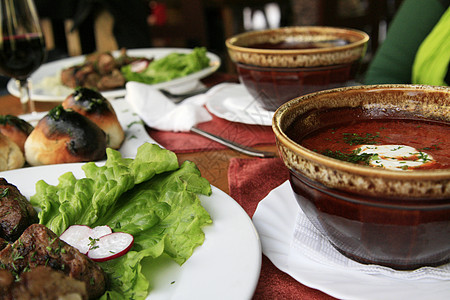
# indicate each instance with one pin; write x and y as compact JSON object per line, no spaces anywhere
{"x":356,"y":139}
{"x":4,"y":192}
{"x":432,"y":147}
{"x":353,"y":157}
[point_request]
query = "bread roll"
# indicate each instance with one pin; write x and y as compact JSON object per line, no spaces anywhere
{"x":64,"y":136}
{"x":11,"y":157}
{"x":16,"y":129}
{"x":98,"y":109}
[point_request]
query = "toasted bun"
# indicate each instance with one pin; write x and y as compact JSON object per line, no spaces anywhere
{"x":16,"y":129}
{"x":98,"y":109}
{"x":11,"y":157}
{"x":64,"y":136}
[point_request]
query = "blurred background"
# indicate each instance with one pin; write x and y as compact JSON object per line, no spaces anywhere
{"x":75,"y":27}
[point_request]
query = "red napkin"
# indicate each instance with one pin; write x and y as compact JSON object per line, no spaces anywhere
{"x":250,"y":180}
{"x":185,"y":142}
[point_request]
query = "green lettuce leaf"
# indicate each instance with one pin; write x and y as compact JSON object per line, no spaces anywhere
{"x":150,"y":197}
{"x":172,"y":66}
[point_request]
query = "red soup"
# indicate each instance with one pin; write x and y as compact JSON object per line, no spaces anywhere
{"x":396,"y":144}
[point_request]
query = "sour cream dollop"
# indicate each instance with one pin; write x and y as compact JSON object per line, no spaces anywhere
{"x":395,"y":157}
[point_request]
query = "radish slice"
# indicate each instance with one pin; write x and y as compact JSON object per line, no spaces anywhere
{"x":99,"y":231}
{"x":111,"y":246}
{"x":76,"y":236}
{"x":82,"y":237}
{"x":139,"y":66}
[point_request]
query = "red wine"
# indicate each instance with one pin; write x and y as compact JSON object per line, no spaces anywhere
{"x":21,"y":55}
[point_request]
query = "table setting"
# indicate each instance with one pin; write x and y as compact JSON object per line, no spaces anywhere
{"x":261,"y":243}
{"x":170,"y":124}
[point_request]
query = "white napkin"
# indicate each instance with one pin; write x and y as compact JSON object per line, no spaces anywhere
{"x":284,"y":228}
{"x":310,"y":242}
{"x":159,"y":112}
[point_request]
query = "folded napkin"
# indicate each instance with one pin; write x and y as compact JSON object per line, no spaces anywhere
{"x":159,"y":112}
{"x":250,"y":180}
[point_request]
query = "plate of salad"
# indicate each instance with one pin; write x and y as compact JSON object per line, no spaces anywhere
{"x":191,"y":240}
{"x":170,"y":68}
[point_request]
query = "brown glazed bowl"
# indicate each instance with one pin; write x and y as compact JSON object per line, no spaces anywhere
{"x":278,"y":65}
{"x":399,"y":219}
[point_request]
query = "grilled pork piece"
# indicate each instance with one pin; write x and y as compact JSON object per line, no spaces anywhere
{"x":16,"y":213}
{"x":3,"y":244}
{"x":41,"y":283}
{"x":100,"y":71}
{"x":39,"y":246}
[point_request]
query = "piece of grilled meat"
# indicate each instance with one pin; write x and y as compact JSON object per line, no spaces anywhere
{"x":3,"y":244}
{"x":99,"y":71}
{"x":16,"y":213}
{"x":39,"y":246}
{"x":41,"y":283}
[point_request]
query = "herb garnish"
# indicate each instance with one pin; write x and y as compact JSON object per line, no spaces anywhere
{"x":92,"y":243}
{"x":353,"y":157}
{"x":433,"y":147}
{"x":356,"y":139}
{"x":4,"y":192}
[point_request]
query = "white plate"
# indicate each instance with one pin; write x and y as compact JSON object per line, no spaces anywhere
{"x":226,"y":266}
{"x":135,"y":133}
{"x":235,"y":104}
{"x":60,"y":92}
{"x":275,"y":219}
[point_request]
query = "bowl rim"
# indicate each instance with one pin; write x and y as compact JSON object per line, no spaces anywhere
{"x":230,"y":41}
{"x":293,"y":69}
{"x":433,"y":174}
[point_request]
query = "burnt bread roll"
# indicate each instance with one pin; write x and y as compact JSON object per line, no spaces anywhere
{"x":11,"y":157}
{"x":64,"y":136}
{"x":98,"y":109}
{"x":16,"y":129}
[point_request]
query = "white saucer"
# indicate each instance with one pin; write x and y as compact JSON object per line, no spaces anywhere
{"x":235,"y":104}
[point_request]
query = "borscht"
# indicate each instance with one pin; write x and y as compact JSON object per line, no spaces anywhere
{"x":389,"y":143}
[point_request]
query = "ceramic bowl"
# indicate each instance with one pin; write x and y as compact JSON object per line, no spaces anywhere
{"x":394,"y":218}
{"x":278,"y":65}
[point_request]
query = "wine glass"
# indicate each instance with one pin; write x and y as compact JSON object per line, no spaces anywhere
{"x":22,"y":47}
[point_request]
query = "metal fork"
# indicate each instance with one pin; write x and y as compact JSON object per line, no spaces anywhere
{"x":177,"y":98}
{"x":233,"y":145}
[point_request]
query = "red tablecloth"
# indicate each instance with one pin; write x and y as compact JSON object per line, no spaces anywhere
{"x":185,"y":142}
{"x":250,"y":180}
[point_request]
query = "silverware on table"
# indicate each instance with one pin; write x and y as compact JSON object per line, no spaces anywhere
{"x":177,"y":98}
{"x":233,"y":145}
